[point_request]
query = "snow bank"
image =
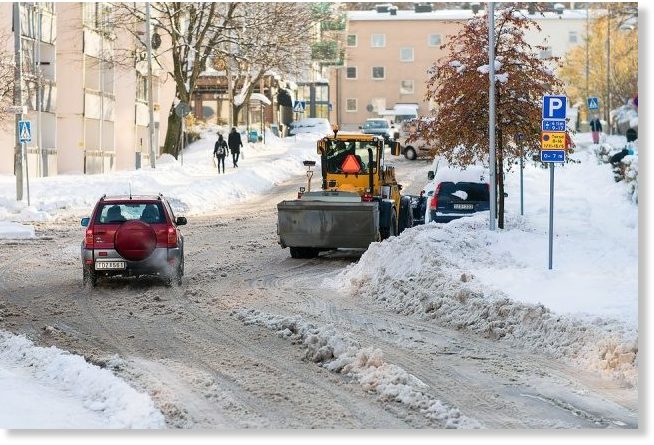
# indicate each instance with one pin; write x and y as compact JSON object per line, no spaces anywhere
{"x":11,"y":230}
{"x":85,"y":395}
{"x":193,"y":188}
{"x":433,"y":276}
{"x":367,"y":366}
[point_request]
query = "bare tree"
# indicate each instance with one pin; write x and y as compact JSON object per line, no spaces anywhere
{"x":459,"y":85}
{"x":271,"y":37}
{"x":7,"y":67}
{"x":193,"y":32}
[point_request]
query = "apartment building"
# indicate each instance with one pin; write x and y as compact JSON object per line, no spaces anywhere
{"x":92,"y":113}
{"x":389,"y":53}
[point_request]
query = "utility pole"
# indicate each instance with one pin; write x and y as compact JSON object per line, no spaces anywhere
{"x":37,"y":71}
{"x":608,"y":70}
{"x":587,"y":56}
{"x":148,"y":38}
{"x":18,"y":101}
{"x":491,"y":113}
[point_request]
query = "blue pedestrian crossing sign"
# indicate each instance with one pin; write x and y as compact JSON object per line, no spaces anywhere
{"x":25,"y":131}
{"x":593,"y":103}
{"x":554,"y":107}
{"x":299,"y":106}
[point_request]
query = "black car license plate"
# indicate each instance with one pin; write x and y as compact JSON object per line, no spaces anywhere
{"x":464,"y":206}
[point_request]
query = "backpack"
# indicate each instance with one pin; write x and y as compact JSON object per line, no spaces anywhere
{"x":220,"y":150}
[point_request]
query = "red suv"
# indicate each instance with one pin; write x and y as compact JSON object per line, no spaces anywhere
{"x":131,"y":236}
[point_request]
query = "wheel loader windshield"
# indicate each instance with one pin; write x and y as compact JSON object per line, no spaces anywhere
{"x":350,"y":157}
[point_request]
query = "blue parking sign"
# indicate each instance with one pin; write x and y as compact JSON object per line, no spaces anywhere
{"x":554,"y":107}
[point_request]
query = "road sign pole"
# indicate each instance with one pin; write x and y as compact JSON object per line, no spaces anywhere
{"x":491,"y":113}
{"x":18,"y":101}
{"x":522,"y":200}
{"x":551,"y":236}
{"x":27,"y":173}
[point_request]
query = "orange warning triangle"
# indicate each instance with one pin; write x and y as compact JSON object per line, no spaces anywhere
{"x":350,"y":165}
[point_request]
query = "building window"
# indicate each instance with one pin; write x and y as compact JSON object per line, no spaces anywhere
{"x":434,"y":40}
{"x":406,"y":87}
{"x":351,"y":40}
{"x":546,"y":53}
{"x":406,"y":54}
{"x":378,"y":72}
{"x":378,"y":40}
{"x":351,"y":72}
{"x":572,"y":36}
{"x":351,"y":105}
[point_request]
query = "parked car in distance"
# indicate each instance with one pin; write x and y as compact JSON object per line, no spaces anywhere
{"x":454,"y":192}
{"x":311,"y":125}
{"x":132,"y":236}
{"x":380,"y":127}
{"x":414,"y":149}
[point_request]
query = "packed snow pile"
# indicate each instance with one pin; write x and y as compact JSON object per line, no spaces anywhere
{"x":84,"y":395}
{"x":192,"y":188}
{"x":11,"y":230}
{"x":367,"y":366}
{"x":432,"y":275}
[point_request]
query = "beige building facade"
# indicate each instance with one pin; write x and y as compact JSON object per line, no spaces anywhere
{"x":388,"y":55}
{"x":94,"y":114}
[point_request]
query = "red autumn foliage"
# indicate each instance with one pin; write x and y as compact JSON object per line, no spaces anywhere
{"x":458,"y":130}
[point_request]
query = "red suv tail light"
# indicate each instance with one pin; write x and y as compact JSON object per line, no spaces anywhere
{"x":434,"y":199}
{"x":172,"y":237}
{"x":88,"y":239}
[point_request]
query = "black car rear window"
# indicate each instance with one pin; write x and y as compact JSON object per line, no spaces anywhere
{"x":464,"y":191}
{"x":151,"y":213}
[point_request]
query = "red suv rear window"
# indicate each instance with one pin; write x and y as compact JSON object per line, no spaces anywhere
{"x":151,"y":213}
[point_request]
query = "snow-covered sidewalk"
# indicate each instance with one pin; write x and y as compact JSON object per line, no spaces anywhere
{"x":192,"y":188}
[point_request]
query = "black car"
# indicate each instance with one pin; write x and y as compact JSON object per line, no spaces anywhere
{"x":452,"y":200}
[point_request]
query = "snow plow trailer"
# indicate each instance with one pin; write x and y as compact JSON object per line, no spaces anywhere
{"x":359,"y":201}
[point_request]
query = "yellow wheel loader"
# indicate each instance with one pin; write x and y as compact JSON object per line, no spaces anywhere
{"x":359,"y":201}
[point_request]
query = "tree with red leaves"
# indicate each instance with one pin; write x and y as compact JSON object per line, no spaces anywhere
{"x":458,"y":130}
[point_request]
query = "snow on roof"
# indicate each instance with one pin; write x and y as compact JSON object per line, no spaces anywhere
{"x":455,"y":14}
{"x":473,"y":173}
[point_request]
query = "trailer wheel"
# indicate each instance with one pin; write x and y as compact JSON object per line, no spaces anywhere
{"x":303,"y":252}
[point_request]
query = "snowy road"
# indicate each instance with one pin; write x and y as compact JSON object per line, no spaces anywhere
{"x":205,"y":366}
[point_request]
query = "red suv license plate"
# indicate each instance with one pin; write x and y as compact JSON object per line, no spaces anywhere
{"x":109,"y":265}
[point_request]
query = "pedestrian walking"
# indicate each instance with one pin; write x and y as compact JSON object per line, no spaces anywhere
{"x":220,"y":150}
{"x":596,"y":129}
{"x":235,"y":144}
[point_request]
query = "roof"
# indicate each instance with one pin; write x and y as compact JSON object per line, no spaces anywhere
{"x":454,"y":14}
{"x":132,"y":198}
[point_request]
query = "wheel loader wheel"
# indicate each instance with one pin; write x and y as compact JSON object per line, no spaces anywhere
{"x":392,"y":230}
{"x":406,"y":214}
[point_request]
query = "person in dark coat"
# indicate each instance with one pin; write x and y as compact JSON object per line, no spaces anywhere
{"x":596,"y":129}
{"x":220,"y":150}
{"x":235,"y":144}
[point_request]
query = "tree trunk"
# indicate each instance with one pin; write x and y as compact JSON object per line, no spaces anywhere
{"x":173,"y":134}
{"x":500,"y":180}
{"x":237,"y":112}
